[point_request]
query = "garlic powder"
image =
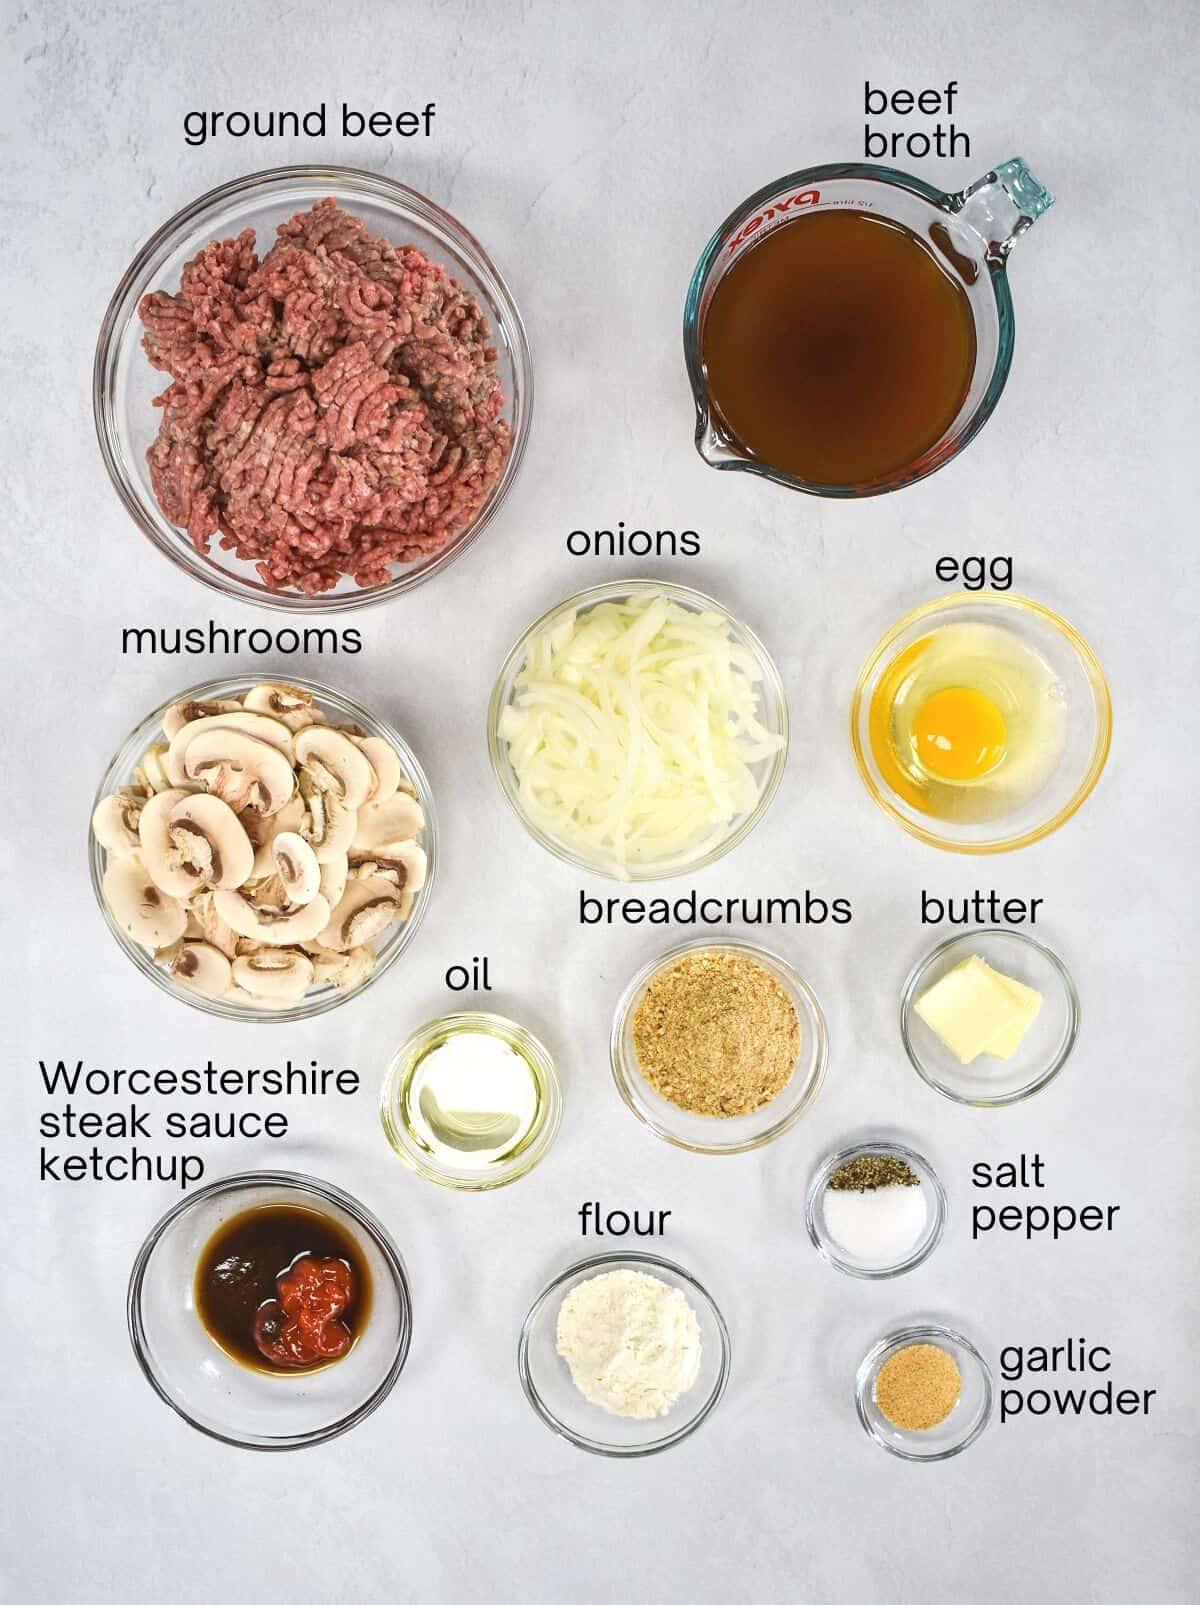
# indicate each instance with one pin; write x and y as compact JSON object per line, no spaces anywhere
{"x":631,"y":1341}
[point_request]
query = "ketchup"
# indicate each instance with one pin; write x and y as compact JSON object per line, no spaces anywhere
{"x":283,"y":1288}
{"x":302,"y":1325}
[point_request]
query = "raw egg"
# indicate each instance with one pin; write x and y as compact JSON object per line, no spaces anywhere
{"x":966,"y":723}
{"x":958,"y":734}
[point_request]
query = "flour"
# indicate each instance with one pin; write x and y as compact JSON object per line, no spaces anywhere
{"x":632,"y":1343}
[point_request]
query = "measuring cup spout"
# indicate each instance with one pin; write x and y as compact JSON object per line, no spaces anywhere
{"x":1002,"y":205}
{"x":713,"y":444}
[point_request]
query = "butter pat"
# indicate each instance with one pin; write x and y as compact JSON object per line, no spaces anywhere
{"x":974,"y":1009}
{"x":1029,"y":1001}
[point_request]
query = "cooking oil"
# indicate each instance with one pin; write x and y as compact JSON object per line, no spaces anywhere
{"x":968,"y":723}
{"x":472,"y":1100}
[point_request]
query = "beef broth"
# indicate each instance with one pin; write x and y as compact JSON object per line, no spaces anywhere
{"x":838,"y":348}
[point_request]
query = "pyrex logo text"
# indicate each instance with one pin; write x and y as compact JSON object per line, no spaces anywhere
{"x":804,"y":197}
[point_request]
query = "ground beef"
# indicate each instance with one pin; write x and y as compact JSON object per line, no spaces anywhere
{"x":335,"y":408}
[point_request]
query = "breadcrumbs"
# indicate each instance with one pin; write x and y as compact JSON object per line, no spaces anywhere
{"x":716,"y":1034}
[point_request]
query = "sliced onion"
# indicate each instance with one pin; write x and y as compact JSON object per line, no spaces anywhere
{"x":633,"y":731}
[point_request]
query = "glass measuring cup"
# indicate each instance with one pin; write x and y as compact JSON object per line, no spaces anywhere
{"x":971,"y":234}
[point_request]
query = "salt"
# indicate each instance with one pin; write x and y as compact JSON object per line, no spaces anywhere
{"x":880,"y":1226}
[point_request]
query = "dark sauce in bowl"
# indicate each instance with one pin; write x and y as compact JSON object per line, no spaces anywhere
{"x":239,"y":1277}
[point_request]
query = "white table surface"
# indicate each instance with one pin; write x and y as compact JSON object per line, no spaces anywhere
{"x":593,"y":150}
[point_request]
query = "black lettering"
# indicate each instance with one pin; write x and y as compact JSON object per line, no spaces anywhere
{"x":61,"y":1076}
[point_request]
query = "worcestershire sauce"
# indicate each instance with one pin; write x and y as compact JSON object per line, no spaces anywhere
{"x":241,"y":1269}
{"x":838,"y":348}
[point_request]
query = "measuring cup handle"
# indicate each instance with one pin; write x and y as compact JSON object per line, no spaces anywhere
{"x":1002,"y":205}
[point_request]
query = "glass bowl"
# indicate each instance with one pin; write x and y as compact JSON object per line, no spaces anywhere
{"x":340,"y":709}
{"x":711,"y":1134}
{"x":1080,"y":682}
{"x":964,"y":1423}
{"x":772,"y":713}
{"x":989,"y":1083}
{"x":403,"y":1065}
{"x":207,"y":1387}
{"x":124,"y":384}
{"x":832,"y":1251}
{"x":559,"y":1403}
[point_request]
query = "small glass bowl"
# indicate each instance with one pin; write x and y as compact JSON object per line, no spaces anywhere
{"x":772,"y":713}
{"x":340,"y":709}
{"x":211,"y":1390}
{"x":964,"y":1423}
{"x":403,"y":1066}
{"x":989,"y":1083}
{"x":830,"y":1250}
{"x":554,"y":1396}
{"x":1089,"y":725}
{"x":711,"y":1134}
{"x":124,"y":384}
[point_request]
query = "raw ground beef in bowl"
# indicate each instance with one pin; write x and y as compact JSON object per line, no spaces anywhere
{"x":347,"y":390}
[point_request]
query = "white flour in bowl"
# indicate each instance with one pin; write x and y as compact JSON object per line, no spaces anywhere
{"x":631,"y":1341}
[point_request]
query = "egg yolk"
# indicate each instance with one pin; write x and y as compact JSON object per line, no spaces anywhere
{"x":958,"y":734}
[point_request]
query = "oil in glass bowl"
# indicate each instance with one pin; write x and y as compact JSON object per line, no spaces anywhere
{"x":471,"y":1101}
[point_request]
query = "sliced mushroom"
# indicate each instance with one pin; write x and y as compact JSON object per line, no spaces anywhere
{"x":143,"y":910}
{"x":403,"y":863}
{"x":297,"y":868}
{"x":398,"y":819}
{"x":151,"y":773}
{"x":239,"y":844}
{"x":282,"y":975}
{"x":330,"y":826}
{"x":247,"y":1000}
{"x":366,"y":910}
{"x":213,"y":928}
{"x":181,"y":713}
{"x":163,"y":863}
{"x":201,"y":968}
{"x":336,"y":764}
{"x":240,"y":769}
{"x":335,"y":872}
{"x":210,"y":838}
{"x":274,"y":928}
{"x":262,"y":830}
{"x":343,"y":970}
{"x":381,"y":755}
{"x":115,"y":823}
{"x":287,"y":703}
{"x":259,"y":725}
